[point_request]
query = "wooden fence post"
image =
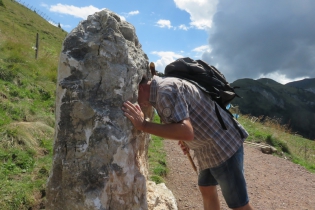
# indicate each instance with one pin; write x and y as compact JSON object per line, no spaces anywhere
{"x":36,"y":49}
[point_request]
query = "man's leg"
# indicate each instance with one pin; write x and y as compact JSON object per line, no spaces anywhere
{"x":210,"y":197}
{"x":230,"y":176}
{"x":211,"y":200}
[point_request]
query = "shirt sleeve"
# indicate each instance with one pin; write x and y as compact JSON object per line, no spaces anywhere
{"x":172,"y":106}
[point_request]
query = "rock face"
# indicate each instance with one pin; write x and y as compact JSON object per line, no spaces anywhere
{"x":160,"y":197}
{"x":100,"y":161}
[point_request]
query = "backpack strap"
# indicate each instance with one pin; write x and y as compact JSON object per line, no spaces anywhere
{"x":239,"y":129}
{"x":232,"y":118}
{"x":219,"y":116}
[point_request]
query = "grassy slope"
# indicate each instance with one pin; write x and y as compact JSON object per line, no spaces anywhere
{"x":27,"y":97}
{"x":299,"y":150}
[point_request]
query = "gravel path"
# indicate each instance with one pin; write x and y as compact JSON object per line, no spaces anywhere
{"x":273,"y":183}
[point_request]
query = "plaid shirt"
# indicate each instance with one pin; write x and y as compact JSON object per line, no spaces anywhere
{"x":175,"y":100}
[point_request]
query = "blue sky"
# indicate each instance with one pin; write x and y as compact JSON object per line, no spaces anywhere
{"x":243,"y":39}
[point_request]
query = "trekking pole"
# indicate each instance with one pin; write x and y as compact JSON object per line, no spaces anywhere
{"x":189,"y":157}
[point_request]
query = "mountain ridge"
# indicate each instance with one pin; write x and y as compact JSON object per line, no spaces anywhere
{"x":307,"y":84}
{"x":291,"y":104}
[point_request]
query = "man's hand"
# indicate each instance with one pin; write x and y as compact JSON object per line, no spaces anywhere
{"x":182,"y":130}
{"x":183,"y":147}
{"x":134,"y":114}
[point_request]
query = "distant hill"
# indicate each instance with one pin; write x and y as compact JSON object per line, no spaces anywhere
{"x":292,"y":104}
{"x":307,"y":84}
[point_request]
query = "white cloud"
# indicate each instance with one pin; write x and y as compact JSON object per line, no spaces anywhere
{"x":134,"y":12}
{"x":65,"y":26}
{"x":52,"y":23}
{"x":200,"y":50}
{"x":203,"y":48}
{"x":79,"y":12}
{"x":183,"y":27}
{"x":281,"y":78}
{"x":44,"y":5}
{"x":122,"y":17}
{"x":61,"y":25}
{"x":166,"y":57}
{"x":164,"y":23}
{"x":201,"y":11}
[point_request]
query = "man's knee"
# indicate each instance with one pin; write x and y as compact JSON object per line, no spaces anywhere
{"x":210,"y":197}
{"x":208,"y":191}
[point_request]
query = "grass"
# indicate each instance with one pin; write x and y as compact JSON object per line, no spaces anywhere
{"x":25,"y":156}
{"x":157,"y":157}
{"x":27,"y":102}
{"x":299,"y":150}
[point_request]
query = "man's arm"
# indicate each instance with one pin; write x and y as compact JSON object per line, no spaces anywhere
{"x":182,"y":130}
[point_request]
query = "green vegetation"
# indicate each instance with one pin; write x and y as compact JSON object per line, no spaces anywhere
{"x":297,"y":149}
{"x":157,"y":157}
{"x":27,"y":98}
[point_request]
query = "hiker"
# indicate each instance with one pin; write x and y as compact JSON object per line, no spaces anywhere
{"x":188,"y":115}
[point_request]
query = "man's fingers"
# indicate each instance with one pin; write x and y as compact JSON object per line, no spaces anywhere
{"x":131,"y":118}
{"x":129,"y":106}
{"x":138,"y":107}
{"x":184,"y":148}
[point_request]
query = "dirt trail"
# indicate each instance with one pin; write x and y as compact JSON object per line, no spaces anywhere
{"x":273,"y":183}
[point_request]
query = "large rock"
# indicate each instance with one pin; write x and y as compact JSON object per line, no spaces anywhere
{"x":100,"y":161}
{"x":160,"y":197}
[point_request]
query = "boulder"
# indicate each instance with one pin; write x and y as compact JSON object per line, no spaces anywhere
{"x":160,"y":197}
{"x":100,"y":160}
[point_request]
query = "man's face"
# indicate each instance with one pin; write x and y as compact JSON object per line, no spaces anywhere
{"x":143,"y":97}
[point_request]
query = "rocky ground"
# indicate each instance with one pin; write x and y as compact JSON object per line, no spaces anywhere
{"x":273,"y":183}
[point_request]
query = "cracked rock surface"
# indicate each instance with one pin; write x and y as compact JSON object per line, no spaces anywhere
{"x":100,"y":161}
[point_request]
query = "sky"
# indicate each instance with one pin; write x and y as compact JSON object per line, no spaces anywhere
{"x":243,"y":38}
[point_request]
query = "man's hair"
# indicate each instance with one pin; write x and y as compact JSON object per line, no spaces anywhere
{"x":144,"y":80}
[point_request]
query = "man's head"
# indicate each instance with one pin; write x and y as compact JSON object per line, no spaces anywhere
{"x":144,"y":93}
{"x":152,"y":68}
